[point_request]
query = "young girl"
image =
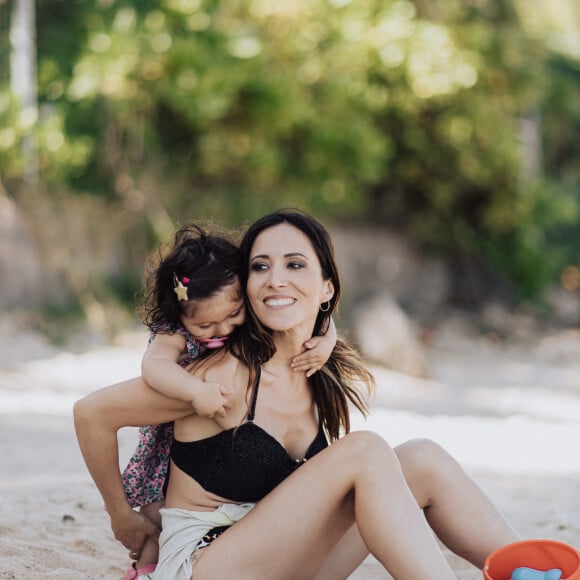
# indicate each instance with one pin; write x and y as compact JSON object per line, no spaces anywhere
{"x":194,"y":302}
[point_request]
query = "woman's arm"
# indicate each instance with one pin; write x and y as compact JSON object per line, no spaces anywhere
{"x":98,"y":417}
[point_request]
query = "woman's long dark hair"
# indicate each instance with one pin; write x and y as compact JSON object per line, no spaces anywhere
{"x":344,"y":377}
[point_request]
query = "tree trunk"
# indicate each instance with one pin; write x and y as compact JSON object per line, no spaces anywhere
{"x":23,"y":80}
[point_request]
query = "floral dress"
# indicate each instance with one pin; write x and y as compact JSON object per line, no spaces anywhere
{"x":145,"y":474}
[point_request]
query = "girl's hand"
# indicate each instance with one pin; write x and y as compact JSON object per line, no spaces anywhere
{"x":211,"y":400}
{"x":317,"y":351}
{"x":313,"y":358}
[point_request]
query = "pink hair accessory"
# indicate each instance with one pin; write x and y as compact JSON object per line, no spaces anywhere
{"x":185,"y":280}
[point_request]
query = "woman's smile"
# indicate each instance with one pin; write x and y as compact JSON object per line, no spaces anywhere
{"x":279,"y":302}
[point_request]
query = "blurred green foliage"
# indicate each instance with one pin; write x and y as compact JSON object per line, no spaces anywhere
{"x":408,"y":114}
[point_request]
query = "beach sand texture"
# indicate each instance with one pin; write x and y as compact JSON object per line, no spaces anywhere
{"x":509,"y":413}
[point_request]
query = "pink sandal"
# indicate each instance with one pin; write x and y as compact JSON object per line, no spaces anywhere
{"x":133,"y":574}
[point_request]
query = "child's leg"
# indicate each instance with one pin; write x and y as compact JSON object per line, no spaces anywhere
{"x":150,"y":552}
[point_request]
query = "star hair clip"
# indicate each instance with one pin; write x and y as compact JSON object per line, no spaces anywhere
{"x":179,"y":287}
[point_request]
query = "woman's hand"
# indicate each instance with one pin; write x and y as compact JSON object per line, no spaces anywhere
{"x":132,"y":529}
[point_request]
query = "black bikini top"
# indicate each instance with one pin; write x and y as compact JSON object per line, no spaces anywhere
{"x":242,"y":464}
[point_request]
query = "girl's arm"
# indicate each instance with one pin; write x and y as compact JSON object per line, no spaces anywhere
{"x":98,"y":417}
{"x":318,"y":351}
{"x":160,"y":370}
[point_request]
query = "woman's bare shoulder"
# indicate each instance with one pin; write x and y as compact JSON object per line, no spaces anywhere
{"x":227,"y":370}
{"x":223,"y":368}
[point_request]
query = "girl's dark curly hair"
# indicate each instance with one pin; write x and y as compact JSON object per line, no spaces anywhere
{"x":209,"y":263}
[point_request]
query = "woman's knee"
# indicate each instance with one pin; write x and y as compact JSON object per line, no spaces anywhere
{"x":423,"y":458}
{"x":366,"y":448}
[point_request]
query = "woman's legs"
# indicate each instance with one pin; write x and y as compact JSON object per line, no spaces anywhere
{"x":291,"y":532}
{"x":461,"y":515}
{"x":345,"y":557}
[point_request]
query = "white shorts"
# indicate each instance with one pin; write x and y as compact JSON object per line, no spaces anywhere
{"x":181,"y":533}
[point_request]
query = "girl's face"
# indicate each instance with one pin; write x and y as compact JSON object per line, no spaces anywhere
{"x":285,"y":284}
{"x":212,"y":320}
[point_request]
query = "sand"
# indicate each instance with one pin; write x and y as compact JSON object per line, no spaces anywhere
{"x":509,"y":412}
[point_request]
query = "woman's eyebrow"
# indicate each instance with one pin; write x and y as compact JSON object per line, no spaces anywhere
{"x":288,"y":255}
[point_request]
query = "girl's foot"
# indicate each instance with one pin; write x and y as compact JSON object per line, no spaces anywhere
{"x":144,"y":573}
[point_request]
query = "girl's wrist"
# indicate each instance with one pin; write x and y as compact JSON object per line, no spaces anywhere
{"x":195,"y":391}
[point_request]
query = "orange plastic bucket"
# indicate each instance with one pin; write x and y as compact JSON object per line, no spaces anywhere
{"x":537,"y":554}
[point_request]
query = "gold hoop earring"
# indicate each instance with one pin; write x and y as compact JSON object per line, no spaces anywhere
{"x":327,"y":306}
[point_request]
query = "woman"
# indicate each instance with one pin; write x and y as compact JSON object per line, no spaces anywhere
{"x":294,"y":518}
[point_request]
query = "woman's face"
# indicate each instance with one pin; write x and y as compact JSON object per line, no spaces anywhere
{"x":285,"y":284}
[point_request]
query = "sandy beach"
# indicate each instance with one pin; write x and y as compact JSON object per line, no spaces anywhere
{"x":509,"y":413}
